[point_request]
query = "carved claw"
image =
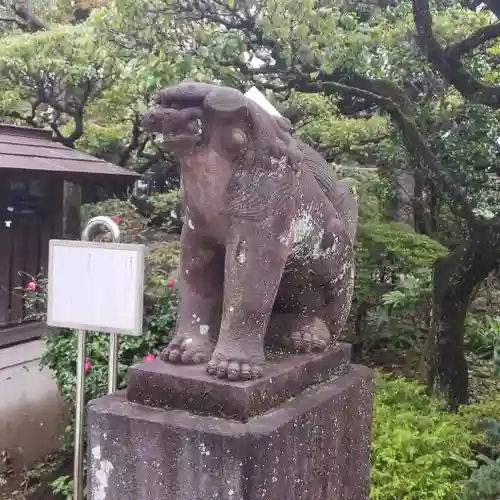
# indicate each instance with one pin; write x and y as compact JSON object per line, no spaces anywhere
{"x":308,"y":335}
{"x":308,"y":342}
{"x":234,"y":369}
{"x":188,"y":349}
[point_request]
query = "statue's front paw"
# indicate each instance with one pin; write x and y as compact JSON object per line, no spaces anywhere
{"x":236,"y":367}
{"x":188,"y":349}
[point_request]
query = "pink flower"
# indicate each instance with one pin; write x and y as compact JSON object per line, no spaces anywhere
{"x":149,"y":357}
{"x":116,"y":219}
{"x":171,"y":283}
{"x":88,"y":366}
{"x":31,"y":286}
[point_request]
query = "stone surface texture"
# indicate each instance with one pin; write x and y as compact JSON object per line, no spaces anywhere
{"x":267,"y":243}
{"x":313,"y":446}
{"x":190,"y":387}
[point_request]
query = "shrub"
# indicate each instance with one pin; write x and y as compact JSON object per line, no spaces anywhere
{"x":374,"y":193}
{"x":130,"y":219}
{"x":483,"y":336}
{"x":162,"y":262}
{"x":141,"y":219}
{"x":484,"y":483}
{"x":419,"y":452}
{"x":396,"y":248}
{"x":166,"y":208}
{"x":393,"y":283}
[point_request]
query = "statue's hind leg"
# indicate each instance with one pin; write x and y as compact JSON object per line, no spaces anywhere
{"x":309,"y":316}
{"x":338,"y":293}
{"x":298,"y":332}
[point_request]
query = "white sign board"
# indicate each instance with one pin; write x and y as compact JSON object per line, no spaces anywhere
{"x":259,"y":98}
{"x":96,"y":286}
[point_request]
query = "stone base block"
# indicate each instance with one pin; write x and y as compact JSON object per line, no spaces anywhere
{"x":313,"y":446}
{"x":189,"y":387}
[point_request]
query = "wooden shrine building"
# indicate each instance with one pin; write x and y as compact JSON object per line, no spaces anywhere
{"x":33,"y":169}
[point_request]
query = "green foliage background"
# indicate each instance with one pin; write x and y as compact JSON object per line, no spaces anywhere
{"x":89,"y":78}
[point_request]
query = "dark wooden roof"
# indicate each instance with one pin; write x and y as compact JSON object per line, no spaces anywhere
{"x":34,"y":150}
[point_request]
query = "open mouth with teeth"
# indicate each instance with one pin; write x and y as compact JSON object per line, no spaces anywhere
{"x":192,"y":131}
{"x":173,"y":125}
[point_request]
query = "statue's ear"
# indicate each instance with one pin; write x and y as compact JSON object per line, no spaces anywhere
{"x":225,"y":100}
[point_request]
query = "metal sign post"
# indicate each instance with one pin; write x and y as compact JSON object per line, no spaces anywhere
{"x":90,"y":229}
{"x":79,"y":416}
{"x":78,"y":472}
{"x":108,"y":297}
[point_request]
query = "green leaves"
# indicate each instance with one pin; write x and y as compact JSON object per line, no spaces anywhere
{"x":393,"y":284}
{"x":419,"y":452}
{"x":484,"y":483}
{"x":53,"y":75}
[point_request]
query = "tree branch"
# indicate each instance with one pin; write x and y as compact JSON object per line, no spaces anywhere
{"x":393,"y":100}
{"x":334,"y":151}
{"x":27,"y":22}
{"x":77,"y":114}
{"x":493,"y":5}
{"x":473,"y":41}
{"x":28,"y":119}
{"x":447,"y":63}
{"x":13,"y":20}
{"x":134,"y":142}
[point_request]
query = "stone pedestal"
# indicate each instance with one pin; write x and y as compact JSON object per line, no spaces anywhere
{"x":302,"y":432}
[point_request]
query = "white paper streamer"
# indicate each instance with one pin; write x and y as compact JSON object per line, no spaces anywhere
{"x":259,"y":98}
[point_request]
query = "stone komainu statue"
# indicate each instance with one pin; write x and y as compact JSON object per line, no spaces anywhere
{"x":267,"y":244}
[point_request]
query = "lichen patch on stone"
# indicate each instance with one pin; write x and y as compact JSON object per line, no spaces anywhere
{"x":101,"y":472}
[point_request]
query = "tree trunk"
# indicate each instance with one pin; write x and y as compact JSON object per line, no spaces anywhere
{"x":455,"y":279}
{"x":448,"y":371}
{"x":405,"y":190}
{"x":434,"y":208}
{"x":420,"y":221}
